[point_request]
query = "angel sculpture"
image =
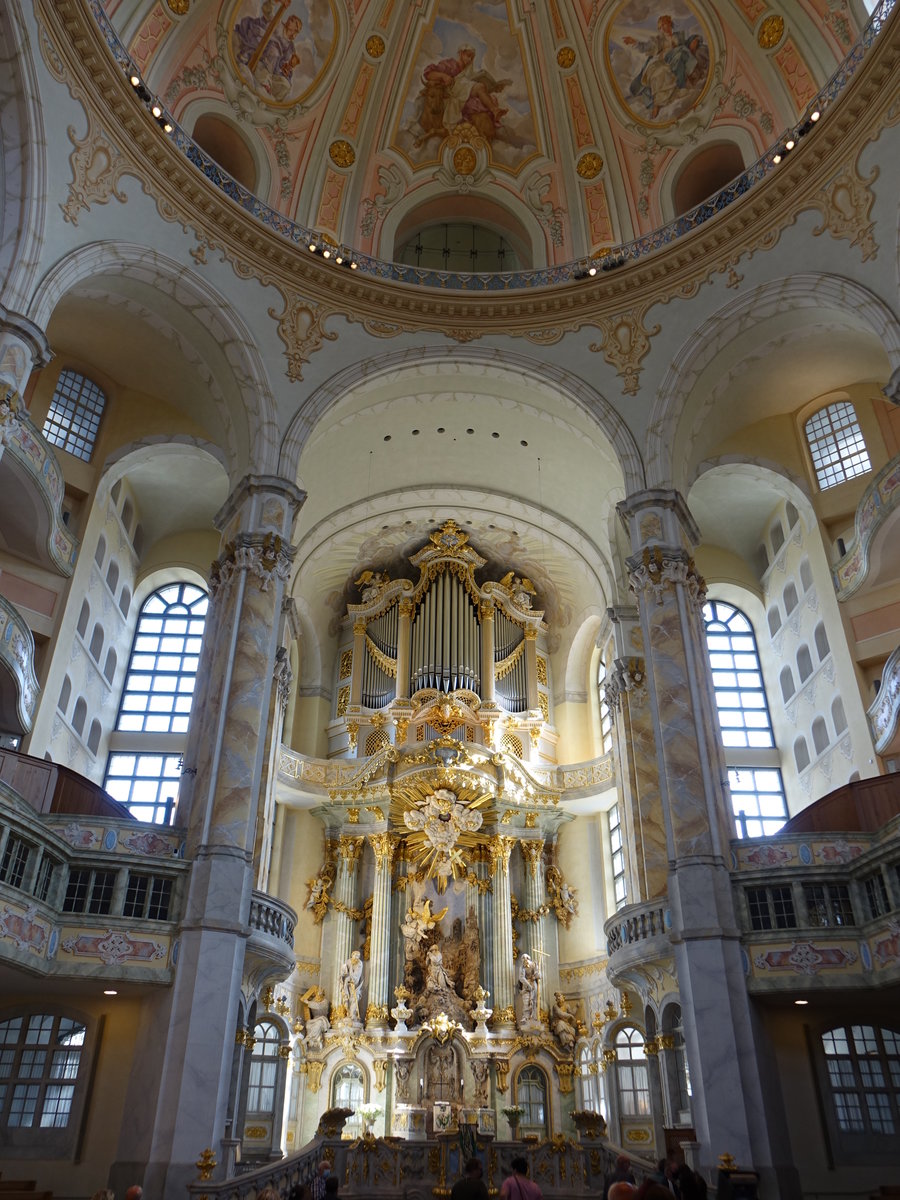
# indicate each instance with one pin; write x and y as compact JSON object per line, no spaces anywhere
{"x":562,"y":897}
{"x":370,"y":584}
{"x":519,"y":587}
{"x":318,"y":898}
{"x":420,"y":921}
{"x":442,"y":819}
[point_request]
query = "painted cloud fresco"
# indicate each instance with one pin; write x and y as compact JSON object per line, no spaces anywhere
{"x":468,"y":79}
{"x":659,"y":59}
{"x":280,"y":47}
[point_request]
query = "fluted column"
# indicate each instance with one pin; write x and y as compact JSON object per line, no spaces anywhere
{"x":345,"y":893}
{"x":404,"y":633}
{"x":531,"y":679}
{"x":504,"y":985}
{"x":534,"y":897}
{"x":378,"y":1008}
{"x":693,"y":815}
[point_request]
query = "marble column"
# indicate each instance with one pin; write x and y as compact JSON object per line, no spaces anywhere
{"x":504,"y":983}
{"x":488,"y":694}
{"x":181,"y":1061}
{"x":730,"y":1111}
{"x":482,"y":897}
{"x":534,"y":897}
{"x":647,"y":862}
{"x":378,"y":1008}
{"x":345,"y":894}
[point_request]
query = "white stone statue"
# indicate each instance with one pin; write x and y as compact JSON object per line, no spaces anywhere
{"x":563,"y":1024}
{"x":351,"y":985}
{"x":420,"y":921}
{"x":529,"y":976}
{"x":436,"y":977}
{"x":317,"y":1022}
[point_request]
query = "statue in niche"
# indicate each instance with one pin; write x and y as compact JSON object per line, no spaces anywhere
{"x":317,"y":1022}
{"x":436,"y":977}
{"x":527,"y":987}
{"x":563,"y":1024}
{"x":351,"y":985}
{"x":481,"y":1069}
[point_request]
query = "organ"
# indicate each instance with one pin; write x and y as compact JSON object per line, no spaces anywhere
{"x":445,"y":654}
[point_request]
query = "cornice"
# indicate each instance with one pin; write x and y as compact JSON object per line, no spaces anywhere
{"x":753,"y":222}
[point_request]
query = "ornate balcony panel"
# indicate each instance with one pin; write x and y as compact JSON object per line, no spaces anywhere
{"x":97,"y":900}
{"x":19,"y":689}
{"x":876,"y":507}
{"x":33,"y":528}
{"x":636,"y":935}
{"x":270,"y":948}
{"x":884,"y":712}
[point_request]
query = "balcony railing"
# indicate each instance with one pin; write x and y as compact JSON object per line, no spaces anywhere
{"x":884,"y":713}
{"x":19,"y":691}
{"x":271,"y":916}
{"x":27,"y":456}
{"x":637,"y":933}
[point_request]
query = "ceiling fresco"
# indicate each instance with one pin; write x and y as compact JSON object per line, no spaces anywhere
{"x":567,"y":125}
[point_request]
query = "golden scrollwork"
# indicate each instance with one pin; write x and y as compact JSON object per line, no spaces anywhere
{"x":542,"y":670}
{"x":500,"y":848}
{"x":589,"y":165}
{"x":564,"y":1074}
{"x":375,"y":46}
{"x":352,"y":816}
{"x":350,"y":849}
{"x":179,"y":7}
{"x":665,"y":1041}
{"x":376,"y":1013}
{"x":206,"y":1164}
{"x":532,"y":849}
{"x":379,"y":1069}
{"x":384,"y":846}
{"x":314,"y":1075}
{"x":565,"y":57}
{"x":505,"y":1016}
{"x":343,"y":701}
{"x":502,"y":1064}
{"x":346,"y":666}
{"x":771,"y":31}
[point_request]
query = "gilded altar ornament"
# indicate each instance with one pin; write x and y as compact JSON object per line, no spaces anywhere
{"x":624,"y":1003}
{"x":610,"y":1011}
{"x":441,"y":826}
{"x":464,"y":160}
{"x":565,"y":57}
{"x":342,"y":153}
{"x":589,"y":165}
{"x":375,"y":46}
{"x":563,"y":897}
{"x":770,"y":31}
{"x":318,"y":891}
{"x":727,"y":1162}
{"x":206,"y":1164}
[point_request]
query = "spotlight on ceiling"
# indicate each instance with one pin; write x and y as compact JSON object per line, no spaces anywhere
{"x":776,"y":157}
{"x":134,"y":79}
{"x":814,"y":115}
{"x":312,"y":247}
{"x":157,"y":110}
{"x":789,"y":144}
{"x":168,"y":126}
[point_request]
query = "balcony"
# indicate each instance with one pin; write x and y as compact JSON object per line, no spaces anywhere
{"x":637,"y":934}
{"x":19,"y":689}
{"x":269,"y":957}
{"x":33,"y":528}
{"x":820,"y":910}
{"x":88,"y":896}
{"x":884,"y":712}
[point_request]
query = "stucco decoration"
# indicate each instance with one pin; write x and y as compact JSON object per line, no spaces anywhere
{"x":468,"y":75}
{"x":659,"y":61}
{"x":624,"y":344}
{"x":301,"y":328}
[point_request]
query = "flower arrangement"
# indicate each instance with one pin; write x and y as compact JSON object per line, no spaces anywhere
{"x":368,"y":1112}
{"x":513,"y":1112}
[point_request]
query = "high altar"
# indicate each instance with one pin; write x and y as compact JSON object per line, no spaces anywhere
{"x":438,"y":895}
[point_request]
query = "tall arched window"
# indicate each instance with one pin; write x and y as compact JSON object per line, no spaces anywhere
{"x":74,"y":416}
{"x":587,"y":1080}
{"x":605,"y":712}
{"x":348,"y":1090}
{"x":263,"y":1075}
{"x":531,"y":1095}
{"x":863,"y":1064}
{"x":675,"y":1065}
{"x":757,"y":791}
{"x":836,"y":444}
{"x":631,"y":1073}
{"x":156,"y":698}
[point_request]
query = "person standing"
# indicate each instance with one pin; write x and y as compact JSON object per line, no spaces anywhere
{"x":518,"y":1186}
{"x":472,"y":1185}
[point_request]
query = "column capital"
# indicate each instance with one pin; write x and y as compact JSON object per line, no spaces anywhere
{"x":266,"y":556}
{"x":627,"y":677}
{"x":658,"y":516}
{"x":532,"y":849}
{"x":350,"y":850}
{"x":659,"y":569}
{"x":384,"y":846}
{"x":264,"y":503}
{"x":500,"y":848}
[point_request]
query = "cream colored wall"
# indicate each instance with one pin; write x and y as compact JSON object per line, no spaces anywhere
{"x":581,"y":860}
{"x":302,"y":847}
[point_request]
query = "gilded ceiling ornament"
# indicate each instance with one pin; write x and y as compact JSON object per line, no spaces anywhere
{"x":589,"y":165}
{"x":375,"y":46}
{"x":440,"y":821}
{"x":342,"y":153}
{"x":464,"y":160}
{"x":179,"y":7}
{"x":565,"y":57}
{"x":771,"y":31}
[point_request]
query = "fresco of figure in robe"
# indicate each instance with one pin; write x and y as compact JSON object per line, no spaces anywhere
{"x":280,"y":47}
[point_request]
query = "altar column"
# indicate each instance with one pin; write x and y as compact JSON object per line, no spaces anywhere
{"x":693,"y":814}
{"x":535,"y":897}
{"x":344,"y":904}
{"x":404,"y":633}
{"x":504,"y":987}
{"x":487,"y":654}
{"x":378,"y":1008}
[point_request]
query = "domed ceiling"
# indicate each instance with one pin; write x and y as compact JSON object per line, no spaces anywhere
{"x":556,"y":128}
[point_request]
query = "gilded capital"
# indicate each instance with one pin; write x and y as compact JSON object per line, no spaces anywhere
{"x":383,"y":845}
{"x":500,"y":848}
{"x":406,"y":608}
{"x":359,"y":628}
{"x":350,"y":850}
{"x":532,"y":849}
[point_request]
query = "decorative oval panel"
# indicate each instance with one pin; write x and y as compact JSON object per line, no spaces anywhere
{"x":281,"y":48}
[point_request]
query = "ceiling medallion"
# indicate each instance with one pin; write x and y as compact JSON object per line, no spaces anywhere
{"x":770,"y":31}
{"x":589,"y":165}
{"x":565,"y":57}
{"x":342,"y":153}
{"x":464,"y":160}
{"x":375,"y":46}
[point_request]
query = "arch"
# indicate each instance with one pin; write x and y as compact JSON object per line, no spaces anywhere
{"x":127,"y":514}
{"x":849,"y":304}
{"x":65,"y":694}
{"x":776,"y":533}
{"x":821,"y":640}
{"x":836,"y":444}
{"x":83,"y":618}
{"x":532,"y":1095}
{"x":790,"y":598}
{"x":112,"y":575}
{"x":602,"y":413}
{"x":806,"y":576}
{"x":93,"y":742}
{"x":838,"y":716}
{"x":349,"y":1088}
{"x":821,"y":741}
{"x":109,"y":669}
{"x":801,"y":754}
{"x":79,"y":716}
{"x":230,"y":356}
{"x":97,"y":638}
{"x":125,"y":600}
{"x":100,"y":552}
{"x":706,"y":171}
{"x":632,"y":1080}
{"x":225,"y":144}
{"x":773,"y":619}
{"x":787,"y":683}
{"x":804,"y":663}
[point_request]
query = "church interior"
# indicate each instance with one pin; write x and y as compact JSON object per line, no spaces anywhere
{"x":449,"y":594}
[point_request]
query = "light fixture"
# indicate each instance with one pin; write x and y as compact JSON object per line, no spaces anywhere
{"x":801,"y":1002}
{"x":789,"y":144}
{"x":312,"y":247}
{"x":776,"y":158}
{"x":135,"y":80}
{"x":326,"y":253}
{"x":168,"y":127}
{"x":814,"y":115}
{"x":353,"y":265}
{"x":157,"y":110}
{"x":339,"y":258}
{"x":110,"y":992}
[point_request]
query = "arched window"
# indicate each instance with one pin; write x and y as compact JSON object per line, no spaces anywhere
{"x":792,"y":515}
{"x":263,"y":1075}
{"x":112,"y":575}
{"x":801,"y":753}
{"x":74,"y":416}
{"x":348,"y":1090}
{"x":605,"y":712}
{"x":836,"y":444}
{"x":65,"y":695}
{"x":757,"y":793}
{"x":790,"y":598}
{"x":127,"y":514}
{"x":777,"y":536}
{"x":531,"y":1095}
{"x":804,"y":663}
{"x":83,"y":617}
{"x":156,"y":698}
{"x":838,"y":716}
{"x":631,"y":1073}
{"x":79,"y":716}
{"x":97,"y":642}
{"x":774,"y":619}
{"x":822,"y":647}
{"x":587,"y":1080}
{"x":110,"y":669}
{"x":678,"y":1078}
{"x":125,"y":600}
{"x":40,"y":1056}
{"x":100,"y":552}
{"x":93,"y":741}
{"x":806,"y":578}
{"x":787,"y":684}
{"x":820,"y":735}
{"x":863,"y":1064}
{"x":617,"y":853}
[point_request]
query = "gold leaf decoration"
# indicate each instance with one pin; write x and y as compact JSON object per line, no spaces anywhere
{"x":342,"y":153}
{"x":770,"y":32}
{"x":375,"y":46}
{"x":565,"y":57}
{"x":589,"y":165}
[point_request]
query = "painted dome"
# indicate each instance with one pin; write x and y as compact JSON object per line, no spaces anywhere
{"x":484,"y":137}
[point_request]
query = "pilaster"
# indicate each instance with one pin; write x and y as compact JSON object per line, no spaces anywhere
{"x":500,"y":848}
